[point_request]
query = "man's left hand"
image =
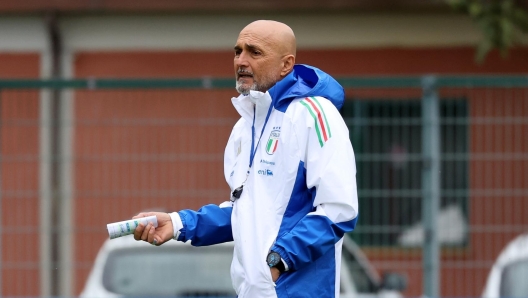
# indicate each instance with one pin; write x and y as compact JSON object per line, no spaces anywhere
{"x":275,"y":273}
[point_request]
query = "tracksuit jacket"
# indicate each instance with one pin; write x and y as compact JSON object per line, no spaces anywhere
{"x":300,"y":195}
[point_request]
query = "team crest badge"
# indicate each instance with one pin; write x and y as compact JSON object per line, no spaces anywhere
{"x":273,"y":141}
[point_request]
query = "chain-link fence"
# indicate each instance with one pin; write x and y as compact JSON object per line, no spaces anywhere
{"x":442,"y":167}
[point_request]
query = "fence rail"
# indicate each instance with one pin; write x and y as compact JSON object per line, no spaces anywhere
{"x":222,"y":83}
{"x":442,"y":165}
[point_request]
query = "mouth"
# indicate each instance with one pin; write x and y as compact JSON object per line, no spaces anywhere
{"x":244,"y":75}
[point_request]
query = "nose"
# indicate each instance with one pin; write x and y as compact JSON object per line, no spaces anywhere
{"x":241,"y":60}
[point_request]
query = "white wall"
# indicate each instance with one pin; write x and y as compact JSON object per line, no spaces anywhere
{"x":26,"y":35}
{"x":22,"y":34}
{"x":219,"y":32}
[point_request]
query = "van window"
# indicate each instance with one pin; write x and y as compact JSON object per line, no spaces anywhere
{"x":513,"y":280}
{"x":170,"y":271}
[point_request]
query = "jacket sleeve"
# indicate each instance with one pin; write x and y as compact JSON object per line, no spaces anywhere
{"x":330,"y":177}
{"x":211,"y":224}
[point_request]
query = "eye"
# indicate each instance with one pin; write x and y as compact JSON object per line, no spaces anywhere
{"x":256,"y":52}
{"x":237,"y":52}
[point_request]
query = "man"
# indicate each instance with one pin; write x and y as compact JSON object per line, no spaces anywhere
{"x":291,"y":169}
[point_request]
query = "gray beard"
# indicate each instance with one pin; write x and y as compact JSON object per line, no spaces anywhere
{"x":244,"y":90}
{"x":256,"y":86}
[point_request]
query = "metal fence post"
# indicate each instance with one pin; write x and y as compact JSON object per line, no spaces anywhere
{"x":1,"y":195}
{"x":45,"y":192}
{"x":66,"y":210}
{"x":430,"y":185}
{"x":66,"y":186}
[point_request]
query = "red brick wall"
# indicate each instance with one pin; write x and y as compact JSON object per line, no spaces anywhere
{"x":406,"y":61}
{"x":19,"y":178}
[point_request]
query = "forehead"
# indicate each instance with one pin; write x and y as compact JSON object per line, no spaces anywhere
{"x":256,"y":38}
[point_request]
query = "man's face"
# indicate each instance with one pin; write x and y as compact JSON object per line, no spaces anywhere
{"x":257,"y":62}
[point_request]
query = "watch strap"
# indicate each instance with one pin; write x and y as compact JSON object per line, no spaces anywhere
{"x":280,"y":266}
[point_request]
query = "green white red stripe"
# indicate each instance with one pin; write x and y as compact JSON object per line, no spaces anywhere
{"x":272,"y":145}
{"x":321,"y":123}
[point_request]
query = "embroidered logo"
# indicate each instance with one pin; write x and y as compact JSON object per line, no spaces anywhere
{"x":271,"y":163}
{"x":273,"y":141}
{"x":321,"y":124}
{"x":265,"y":172}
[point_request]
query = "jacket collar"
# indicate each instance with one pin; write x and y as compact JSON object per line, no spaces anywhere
{"x":255,"y":101}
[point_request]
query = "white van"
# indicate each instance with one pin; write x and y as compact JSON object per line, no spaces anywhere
{"x":125,"y":267}
{"x":509,"y":275}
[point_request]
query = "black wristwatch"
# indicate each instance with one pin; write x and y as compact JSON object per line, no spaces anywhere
{"x":274,"y":260}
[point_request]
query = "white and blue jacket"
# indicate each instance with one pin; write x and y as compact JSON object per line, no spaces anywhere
{"x":300,"y":196}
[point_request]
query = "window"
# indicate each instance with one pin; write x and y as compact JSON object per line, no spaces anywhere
{"x":513,"y":280}
{"x":175,"y":271}
{"x":387,"y":140}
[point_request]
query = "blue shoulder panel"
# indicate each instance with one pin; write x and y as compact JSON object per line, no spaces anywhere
{"x":306,"y":81}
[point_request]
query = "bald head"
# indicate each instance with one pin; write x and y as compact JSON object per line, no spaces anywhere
{"x":277,"y":34}
{"x":264,"y":54}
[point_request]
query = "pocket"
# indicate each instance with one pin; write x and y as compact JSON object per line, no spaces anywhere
{"x":281,"y":285}
{"x":281,"y":278}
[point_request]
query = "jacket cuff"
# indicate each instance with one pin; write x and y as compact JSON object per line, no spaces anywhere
{"x":284,"y":256}
{"x":177,"y":224}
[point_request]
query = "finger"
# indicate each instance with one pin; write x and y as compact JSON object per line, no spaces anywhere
{"x":144,"y":235}
{"x":151,"y":235}
{"x":140,"y":215}
{"x":139,"y":231}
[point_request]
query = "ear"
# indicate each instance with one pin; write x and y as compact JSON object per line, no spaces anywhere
{"x":288,"y":62}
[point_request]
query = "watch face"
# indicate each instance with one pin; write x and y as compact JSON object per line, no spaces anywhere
{"x":273,"y":259}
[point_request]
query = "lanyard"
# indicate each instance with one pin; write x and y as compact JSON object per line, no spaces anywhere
{"x":238,"y":191}
{"x":253,"y":148}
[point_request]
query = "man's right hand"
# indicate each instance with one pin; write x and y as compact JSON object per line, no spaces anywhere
{"x":156,"y":236}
